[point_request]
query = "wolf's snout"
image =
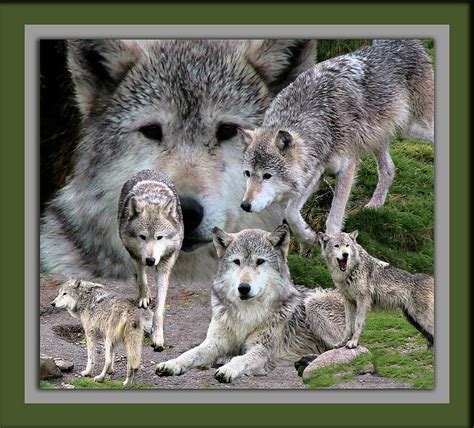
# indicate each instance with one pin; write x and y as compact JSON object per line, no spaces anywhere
{"x":150,"y":261}
{"x":345,"y":256}
{"x":193,"y":212}
{"x":246,"y":206}
{"x":53,"y":304}
{"x":244,"y":288}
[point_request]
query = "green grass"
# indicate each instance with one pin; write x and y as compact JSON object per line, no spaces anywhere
{"x":89,"y":383}
{"x":44,"y":384}
{"x":401,"y":233}
{"x":398,"y":351}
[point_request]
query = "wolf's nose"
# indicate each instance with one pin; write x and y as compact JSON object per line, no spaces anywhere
{"x":150,"y":261}
{"x":193,"y":213}
{"x":53,"y":304}
{"x":345,"y":255}
{"x":246,"y":206}
{"x":244,"y":288}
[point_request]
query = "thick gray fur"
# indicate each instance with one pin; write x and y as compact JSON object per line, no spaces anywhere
{"x":329,"y":117}
{"x":152,"y":231}
{"x":189,"y":88}
{"x":369,"y":283}
{"x":103,"y":313}
{"x":278,"y":325}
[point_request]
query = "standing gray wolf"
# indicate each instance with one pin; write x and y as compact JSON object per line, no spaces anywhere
{"x":172,"y":105}
{"x":151,"y":229}
{"x":327,"y":118}
{"x":259,"y":319}
{"x":105,"y":313}
{"x":366,"y":282}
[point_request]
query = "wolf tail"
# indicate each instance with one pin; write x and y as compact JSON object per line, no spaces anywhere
{"x":133,"y":340}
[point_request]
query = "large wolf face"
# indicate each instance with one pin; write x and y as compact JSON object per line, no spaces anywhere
{"x":252,"y":263}
{"x":171,"y":105}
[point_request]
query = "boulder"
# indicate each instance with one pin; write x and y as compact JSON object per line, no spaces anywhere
{"x":336,"y":357}
{"x":48,"y":368}
{"x":64,"y":365}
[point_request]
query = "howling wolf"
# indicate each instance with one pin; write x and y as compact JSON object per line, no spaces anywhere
{"x":259,"y":319}
{"x":327,"y":118}
{"x":366,"y":282}
{"x":171,"y":105}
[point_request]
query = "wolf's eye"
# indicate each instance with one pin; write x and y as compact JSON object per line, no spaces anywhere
{"x":226,"y":131}
{"x":237,"y":262}
{"x":153,"y":132}
{"x":260,"y":262}
{"x":336,"y":246}
{"x":159,"y":237}
{"x":266,"y":176}
{"x":247,"y":173}
{"x":64,"y":294}
{"x":143,"y":237}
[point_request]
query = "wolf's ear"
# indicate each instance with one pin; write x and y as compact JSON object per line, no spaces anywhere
{"x":247,"y":135}
{"x":98,"y":66}
{"x":221,"y":241}
{"x":280,"y":239}
{"x":134,"y":207}
{"x":279,"y":62}
{"x":77,"y":283}
{"x":323,"y":239}
{"x":353,"y":235}
{"x":283,"y":140}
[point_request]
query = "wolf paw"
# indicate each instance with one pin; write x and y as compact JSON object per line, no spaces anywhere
{"x":169,"y":368}
{"x":225,"y":375}
{"x":127,"y":383}
{"x":144,"y":302}
{"x":374,"y":204}
{"x":352,"y":344}
{"x":340,"y":344}
{"x":99,"y":378}
{"x":86,"y":373}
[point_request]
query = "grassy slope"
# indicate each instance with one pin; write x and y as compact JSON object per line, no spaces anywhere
{"x":401,"y":233}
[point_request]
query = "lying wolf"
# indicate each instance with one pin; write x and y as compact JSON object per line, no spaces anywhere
{"x":172,"y":105}
{"x":366,"y":282}
{"x":259,"y":319}
{"x":327,"y":118}
{"x":105,"y":313}
{"x":151,"y":229}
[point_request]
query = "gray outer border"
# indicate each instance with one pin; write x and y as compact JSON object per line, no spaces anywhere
{"x":440,"y":394}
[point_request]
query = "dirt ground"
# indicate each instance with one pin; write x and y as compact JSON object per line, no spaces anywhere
{"x":187,"y":317}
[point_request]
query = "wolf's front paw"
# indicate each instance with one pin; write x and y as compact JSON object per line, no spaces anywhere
{"x":86,"y":373}
{"x":340,"y":344}
{"x":144,"y":302}
{"x":169,"y":368}
{"x":374,"y":203}
{"x":226,"y":374}
{"x":99,"y":378}
{"x":352,"y":344}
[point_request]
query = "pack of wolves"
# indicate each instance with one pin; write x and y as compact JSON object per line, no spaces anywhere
{"x":178,"y":134}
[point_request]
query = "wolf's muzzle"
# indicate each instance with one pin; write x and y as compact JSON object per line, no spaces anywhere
{"x":150,"y":261}
{"x":193,"y":213}
{"x":244,"y":290}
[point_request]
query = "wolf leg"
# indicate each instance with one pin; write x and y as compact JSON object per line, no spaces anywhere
{"x":162,"y":282}
{"x":345,"y":179}
{"x":253,"y":362}
{"x":363,"y":306}
{"x":349,"y":315}
{"x":214,"y":346}
{"x":386,"y":172}
{"x":293,"y":211}
{"x":90,"y":343}
{"x":144,"y":298}
{"x":109,"y":350}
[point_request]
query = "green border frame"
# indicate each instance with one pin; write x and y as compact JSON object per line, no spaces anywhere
{"x":14,"y":412}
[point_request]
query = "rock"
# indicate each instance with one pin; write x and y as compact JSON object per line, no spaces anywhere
{"x":48,"y":368}
{"x":63,"y":365}
{"x":335,"y":357}
{"x":67,"y":386}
